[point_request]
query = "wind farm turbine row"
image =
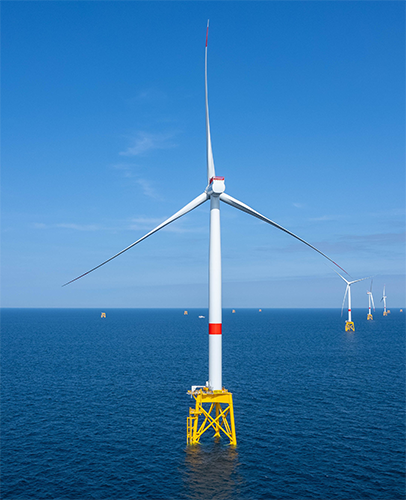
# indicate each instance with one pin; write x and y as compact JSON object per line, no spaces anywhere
{"x":370,"y":303}
{"x":383,"y":299}
{"x":349,"y":324}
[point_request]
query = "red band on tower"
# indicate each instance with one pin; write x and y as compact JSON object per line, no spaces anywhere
{"x":215,"y":328}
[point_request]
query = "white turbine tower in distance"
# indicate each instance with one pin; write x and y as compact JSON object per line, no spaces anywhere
{"x":211,"y":396}
{"x":349,"y":324}
{"x":385,"y":311}
{"x":370,"y":302}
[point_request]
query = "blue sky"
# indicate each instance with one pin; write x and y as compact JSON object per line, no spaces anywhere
{"x":103,"y":137}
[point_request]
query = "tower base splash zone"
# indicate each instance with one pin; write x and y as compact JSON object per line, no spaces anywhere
{"x":214,"y":412}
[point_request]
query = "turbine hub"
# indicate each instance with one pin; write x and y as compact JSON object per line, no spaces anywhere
{"x":216,"y":186}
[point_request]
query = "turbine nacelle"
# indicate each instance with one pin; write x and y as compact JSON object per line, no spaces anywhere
{"x":216,"y":186}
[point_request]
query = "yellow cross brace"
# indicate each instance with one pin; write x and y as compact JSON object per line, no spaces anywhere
{"x":223,"y":421}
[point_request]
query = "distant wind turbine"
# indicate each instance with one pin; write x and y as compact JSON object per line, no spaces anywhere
{"x":213,"y":392}
{"x":385,"y":312}
{"x":349,"y":324}
{"x":370,"y":301}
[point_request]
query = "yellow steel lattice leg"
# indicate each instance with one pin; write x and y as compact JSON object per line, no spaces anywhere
{"x":369,"y":317}
{"x":349,"y":326}
{"x":217,"y":427}
{"x":215,"y":411}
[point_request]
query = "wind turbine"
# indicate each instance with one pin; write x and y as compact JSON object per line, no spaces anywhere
{"x":385,"y":312}
{"x":212,"y":393}
{"x":349,"y":324}
{"x":370,"y":301}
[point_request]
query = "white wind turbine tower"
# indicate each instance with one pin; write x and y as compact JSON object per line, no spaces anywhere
{"x":349,"y":324}
{"x":217,"y":417}
{"x":385,"y":312}
{"x":370,"y":302}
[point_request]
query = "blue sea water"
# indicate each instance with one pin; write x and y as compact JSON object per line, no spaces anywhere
{"x":96,"y":408}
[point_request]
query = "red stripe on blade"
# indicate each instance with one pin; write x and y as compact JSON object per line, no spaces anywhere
{"x":339,"y":266}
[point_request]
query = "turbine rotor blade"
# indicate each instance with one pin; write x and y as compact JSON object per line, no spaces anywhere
{"x":189,"y":207}
{"x":245,"y":208}
{"x":362,"y":279}
{"x":345,"y":295}
{"x":372,"y":299}
{"x":342,"y":277}
{"x":209,"y":153}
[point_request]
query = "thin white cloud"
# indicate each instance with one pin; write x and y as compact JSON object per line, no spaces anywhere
{"x":394,"y":212}
{"x":149,"y":223}
{"x":68,"y":225}
{"x":148,"y":189}
{"x":145,"y":142}
{"x":382,"y":238}
{"x":80,"y":227}
{"x":125,"y":168}
{"x":150,"y":95}
{"x":145,"y":224}
{"x":299,"y":205}
{"x":367,"y":243}
{"x":325,"y":218}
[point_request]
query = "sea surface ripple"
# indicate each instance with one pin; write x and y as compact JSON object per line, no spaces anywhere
{"x":96,"y":408}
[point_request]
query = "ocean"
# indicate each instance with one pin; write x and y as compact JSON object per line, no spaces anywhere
{"x":95,"y":408}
